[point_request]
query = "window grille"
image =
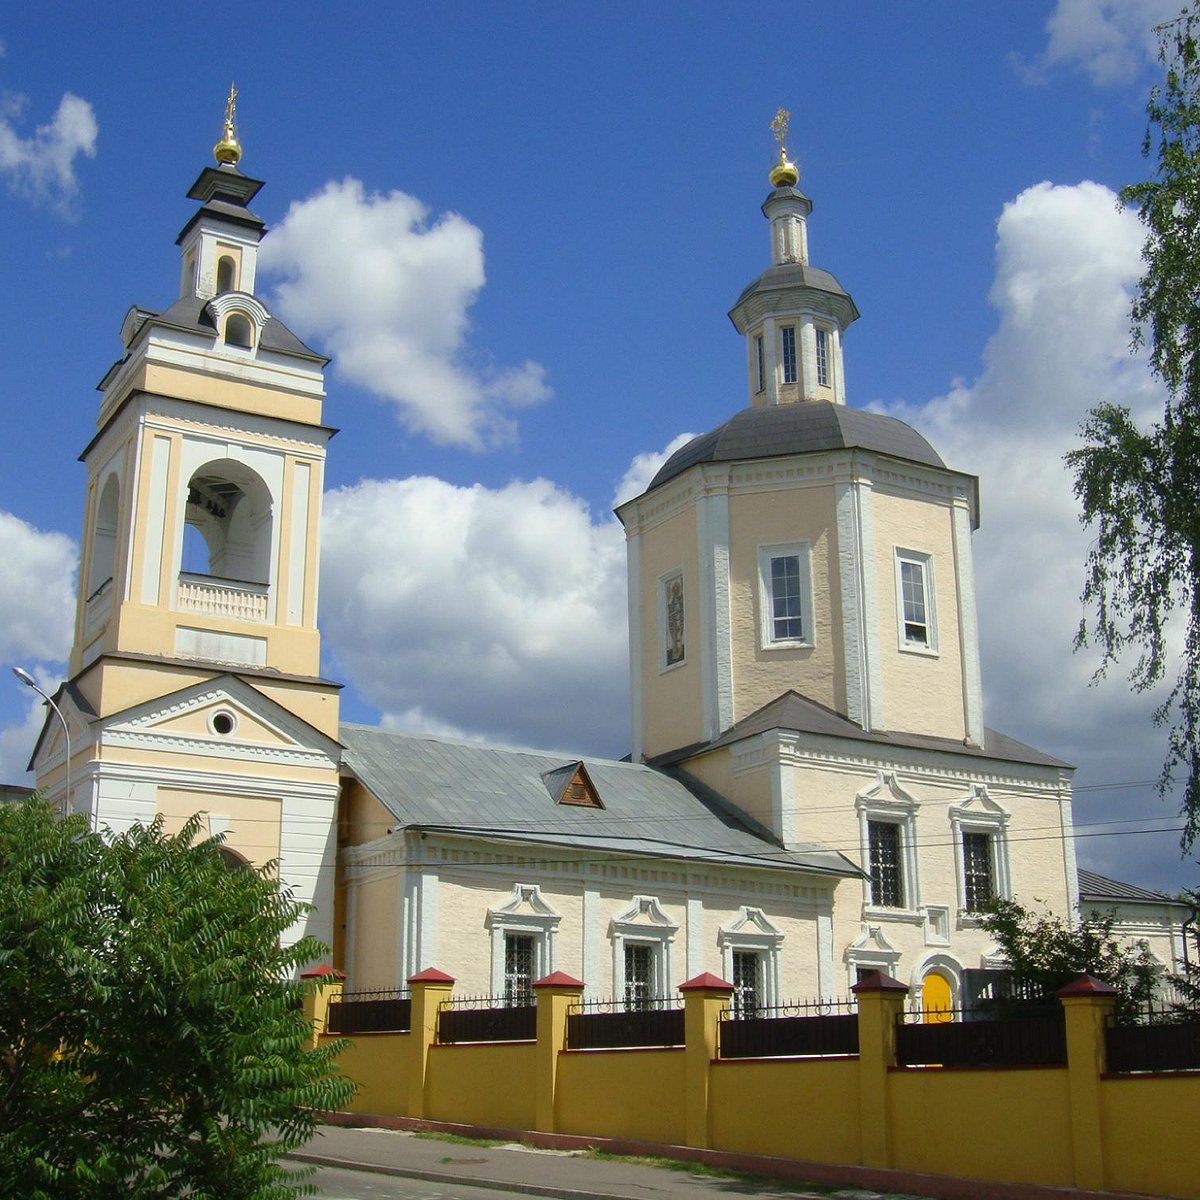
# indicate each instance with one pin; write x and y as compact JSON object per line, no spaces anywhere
{"x":747,"y":983}
{"x":518,"y":968}
{"x":887,"y":879}
{"x":978,"y":886}
{"x":639,"y":976}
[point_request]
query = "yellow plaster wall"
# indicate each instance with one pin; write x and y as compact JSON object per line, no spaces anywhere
{"x":784,"y":1107}
{"x":1149,"y":1133}
{"x":490,"y":1084}
{"x":361,"y":818}
{"x":672,"y":695}
{"x":935,"y":680}
{"x":253,"y":821}
{"x":378,"y":1063}
{"x":223,"y":392}
{"x":622,"y":1094}
{"x":749,"y":790}
{"x":760,"y":674}
{"x":377,"y":920}
{"x":971,"y":1123}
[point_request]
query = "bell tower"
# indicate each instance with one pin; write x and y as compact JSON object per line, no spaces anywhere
{"x":195,"y":671}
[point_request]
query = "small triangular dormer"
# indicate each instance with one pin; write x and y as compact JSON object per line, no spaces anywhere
{"x":571,"y":785}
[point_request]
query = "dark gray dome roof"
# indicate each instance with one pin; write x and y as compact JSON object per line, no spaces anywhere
{"x":793,"y":275}
{"x":805,"y":427}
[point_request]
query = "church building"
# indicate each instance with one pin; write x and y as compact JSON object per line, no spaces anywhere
{"x":811,"y":794}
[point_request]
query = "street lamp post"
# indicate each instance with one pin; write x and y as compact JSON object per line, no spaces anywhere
{"x":29,"y":681}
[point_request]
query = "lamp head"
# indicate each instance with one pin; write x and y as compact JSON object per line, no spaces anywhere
{"x":25,"y":677}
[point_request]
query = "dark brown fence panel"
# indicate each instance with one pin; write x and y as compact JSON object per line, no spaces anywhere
{"x":1033,"y":1041}
{"x":1163,"y":1046}
{"x":613,"y":1030}
{"x":515,"y":1024}
{"x":773,"y":1037}
{"x":391,"y":1014}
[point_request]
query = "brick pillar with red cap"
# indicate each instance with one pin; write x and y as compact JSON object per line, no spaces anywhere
{"x":427,"y":990}
{"x":880,"y":1005}
{"x":1087,"y":1005}
{"x":555,"y":995}
{"x":703,"y":999}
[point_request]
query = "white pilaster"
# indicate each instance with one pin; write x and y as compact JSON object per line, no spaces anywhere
{"x":825,"y":954}
{"x":592,"y":933}
{"x":716,"y":652}
{"x":633,"y":596}
{"x":695,"y":937}
{"x":968,"y":632}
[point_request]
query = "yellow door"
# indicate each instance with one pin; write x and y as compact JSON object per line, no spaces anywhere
{"x":935,"y":999}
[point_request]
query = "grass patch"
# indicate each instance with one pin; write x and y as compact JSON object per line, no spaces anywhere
{"x":457,"y":1139}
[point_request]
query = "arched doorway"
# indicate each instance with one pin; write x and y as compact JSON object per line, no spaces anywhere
{"x":937,"y":999}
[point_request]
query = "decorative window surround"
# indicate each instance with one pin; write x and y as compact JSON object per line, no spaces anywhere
{"x":529,"y":913}
{"x":946,"y":966}
{"x":785,"y":602}
{"x":644,"y":923}
{"x":979,"y":813}
{"x":916,"y":619}
{"x":672,"y":631}
{"x":871,"y":951}
{"x":751,"y":931}
{"x":937,"y":925}
{"x":885,"y":800}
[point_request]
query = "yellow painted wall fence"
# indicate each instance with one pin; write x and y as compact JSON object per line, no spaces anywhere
{"x":1065,"y":1125}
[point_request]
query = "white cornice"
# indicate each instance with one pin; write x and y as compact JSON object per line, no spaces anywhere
{"x":191,"y":779}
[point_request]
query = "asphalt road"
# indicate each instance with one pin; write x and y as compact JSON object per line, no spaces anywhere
{"x":337,"y":1184}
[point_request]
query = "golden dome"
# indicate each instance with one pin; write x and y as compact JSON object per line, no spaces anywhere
{"x":784,"y":173}
{"x":229,"y":149}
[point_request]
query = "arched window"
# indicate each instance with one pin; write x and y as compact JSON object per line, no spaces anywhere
{"x":104,"y":543}
{"x":228,"y":524}
{"x":226,"y":274}
{"x":238,"y":331}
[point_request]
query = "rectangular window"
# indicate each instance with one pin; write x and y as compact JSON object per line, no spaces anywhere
{"x":823,"y":357}
{"x":747,"y":982}
{"x":785,"y":595}
{"x":915,"y":600}
{"x":887,"y":876}
{"x":518,"y":968}
{"x":760,"y":362}
{"x":978,"y":877}
{"x":787,"y":621}
{"x":788,"y":342}
{"x":639,"y":976}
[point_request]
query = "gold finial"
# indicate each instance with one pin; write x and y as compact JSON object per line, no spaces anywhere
{"x":229,"y":149}
{"x":784,"y":172}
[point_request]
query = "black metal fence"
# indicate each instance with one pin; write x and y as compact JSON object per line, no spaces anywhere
{"x":1165,"y":1041}
{"x":812,"y":1029}
{"x":611,"y":1025}
{"x":1037,"y":1038}
{"x":485,"y":1019}
{"x":370,"y":1012}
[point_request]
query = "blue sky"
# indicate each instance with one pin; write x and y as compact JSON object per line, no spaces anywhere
{"x":566,"y":200}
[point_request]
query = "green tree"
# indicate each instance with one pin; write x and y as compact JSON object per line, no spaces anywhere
{"x":152,"y":1042}
{"x":1141,"y":487}
{"x":1044,"y":953}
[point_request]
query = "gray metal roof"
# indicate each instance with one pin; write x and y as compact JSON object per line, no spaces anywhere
{"x":785,"y":276}
{"x":1102,"y":889}
{"x":501,"y":794}
{"x":806,"y":427}
{"x":798,"y":714}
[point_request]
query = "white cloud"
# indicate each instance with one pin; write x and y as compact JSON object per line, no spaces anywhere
{"x":1067,"y":260}
{"x":1110,"y":40}
{"x":42,"y":166}
{"x":495,"y":611}
{"x":387,"y":292}
{"x":37,"y":602}
{"x":643,"y":469}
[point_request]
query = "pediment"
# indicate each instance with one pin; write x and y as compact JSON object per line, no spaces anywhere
{"x":645,"y":912}
{"x":872,"y":940}
{"x":979,"y":804}
{"x":886,"y":790}
{"x":50,"y":746}
{"x":525,"y":904}
{"x":751,"y":926}
{"x":572,"y":785}
{"x":223,"y":717}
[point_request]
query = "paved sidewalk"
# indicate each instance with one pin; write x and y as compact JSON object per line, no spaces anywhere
{"x":554,"y":1167}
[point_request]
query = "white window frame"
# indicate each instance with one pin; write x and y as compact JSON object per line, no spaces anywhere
{"x":871,"y":951}
{"x":526,"y":911}
{"x":644,"y":922}
{"x":766,"y":597}
{"x":752,"y":932}
{"x":924,"y":562}
{"x":886,"y":801}
{"x":979,"y":813}
{"x":664,"y":624}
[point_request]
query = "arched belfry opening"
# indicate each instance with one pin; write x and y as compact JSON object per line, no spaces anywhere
{"x":104,"y":539}
{"x":226,"y":274}
{"x":238,"y":331}
{"x":228,"y":524}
